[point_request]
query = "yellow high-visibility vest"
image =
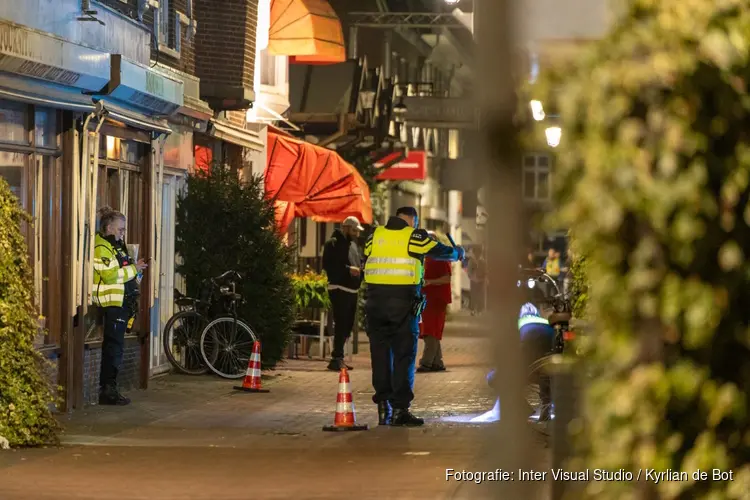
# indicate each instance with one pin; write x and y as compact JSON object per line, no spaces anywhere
{"x":553,"y":267}
{"x":109,"y":277}
{"x":389,"y":262}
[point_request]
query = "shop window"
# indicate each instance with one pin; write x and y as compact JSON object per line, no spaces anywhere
{"x":178,"y":150}
{"x":13,"y":170}
{"x":536,"y":178}
{"x":45,"y":128}
{"x":14,"y":122}
{"x":120,"y":186}
{"x":34,"y":176}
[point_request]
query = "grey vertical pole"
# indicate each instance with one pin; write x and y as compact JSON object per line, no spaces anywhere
{"x":387,"y":55}
{"x":495,"y":28}
{"x":353,"y":35}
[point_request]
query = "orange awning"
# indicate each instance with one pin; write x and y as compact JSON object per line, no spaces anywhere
{"x":311,"y":181}
{"x":308,"y":31}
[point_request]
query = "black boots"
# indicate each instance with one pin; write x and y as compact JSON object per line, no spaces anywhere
{"x":110,"y":396}
{"x":384,"y":413}
{"x":396,"y":417}
{"x":404,"y":418}
{"x":337,"y":364}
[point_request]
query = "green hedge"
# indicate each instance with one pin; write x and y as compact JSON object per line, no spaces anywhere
{"x":26,"y":396}
{"x":653,"y":178}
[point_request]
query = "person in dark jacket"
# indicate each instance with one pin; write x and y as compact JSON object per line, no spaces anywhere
{"x":342,"y":264}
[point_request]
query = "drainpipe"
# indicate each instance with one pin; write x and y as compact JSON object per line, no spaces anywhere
{"x":353,"y":34}
{"x":89,"y":277}
{"x":80,"y":185}
{"x":387,"y":55}
{"x":158,"y":191}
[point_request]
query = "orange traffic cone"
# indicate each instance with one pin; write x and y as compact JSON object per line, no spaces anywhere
{"x":252,"y":376}
{"x":345,"y":419}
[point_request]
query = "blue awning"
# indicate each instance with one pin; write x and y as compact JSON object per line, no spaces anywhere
{"x":134,"y":118}
{"x":40,"y":93}
{"x":140,"y":86}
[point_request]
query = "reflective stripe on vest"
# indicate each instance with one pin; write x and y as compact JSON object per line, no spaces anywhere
{"x":109,"y":278}
{"x":389,"y":262}
{"x":529,"y":320}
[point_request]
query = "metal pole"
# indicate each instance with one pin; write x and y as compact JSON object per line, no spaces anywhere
{"x":387,"y":55}
{"x":353,"y":33}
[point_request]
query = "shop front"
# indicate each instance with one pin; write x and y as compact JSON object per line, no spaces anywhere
{"x":80,"y":129}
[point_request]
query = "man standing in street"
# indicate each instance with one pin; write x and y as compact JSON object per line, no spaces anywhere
{"x":394,"y":270}
{"x":341,"y":264}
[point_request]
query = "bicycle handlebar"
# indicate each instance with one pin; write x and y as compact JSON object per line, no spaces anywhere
{"x":228,"y":276}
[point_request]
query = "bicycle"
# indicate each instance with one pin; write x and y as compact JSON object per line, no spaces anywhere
{"x":183,"y":332}
{"x":226,"y":343}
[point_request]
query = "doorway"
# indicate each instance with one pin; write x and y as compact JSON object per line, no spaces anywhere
{"x":164,"y":304}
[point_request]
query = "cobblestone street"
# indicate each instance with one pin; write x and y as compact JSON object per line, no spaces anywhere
{"x":195,"y":438}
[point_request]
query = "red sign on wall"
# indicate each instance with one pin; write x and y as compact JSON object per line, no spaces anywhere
{"x":411,"y":168}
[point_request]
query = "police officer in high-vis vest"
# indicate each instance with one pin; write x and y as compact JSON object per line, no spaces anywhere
{"x":537,"y":341}
{"x":393,"y":272}
{"x":115,"y":284}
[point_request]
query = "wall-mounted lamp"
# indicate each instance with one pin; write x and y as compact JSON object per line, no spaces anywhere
{"x":537,"y":110}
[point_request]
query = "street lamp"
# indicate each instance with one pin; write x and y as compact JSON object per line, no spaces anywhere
{"x":553,"y":136}
{"x":367,"y":99}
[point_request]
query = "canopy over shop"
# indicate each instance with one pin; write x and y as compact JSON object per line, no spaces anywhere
{"x":306,"y":180}
{"x":308,"y":31}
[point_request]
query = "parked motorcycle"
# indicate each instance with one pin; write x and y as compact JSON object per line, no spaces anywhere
{"x":545,"y":293}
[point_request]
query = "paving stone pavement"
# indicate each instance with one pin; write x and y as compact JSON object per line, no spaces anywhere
{"x":301,"y":400}
{"x":195,"y":438}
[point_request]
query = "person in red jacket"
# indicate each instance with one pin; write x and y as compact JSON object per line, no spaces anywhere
{"x":437,"y":289}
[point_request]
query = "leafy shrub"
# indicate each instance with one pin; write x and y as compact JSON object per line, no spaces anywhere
{"x":222,"y":224}
{"x":25,"y":393}
{"x":654,"y":181}
{"x":579,"y":286}
{"x":310,"y":290}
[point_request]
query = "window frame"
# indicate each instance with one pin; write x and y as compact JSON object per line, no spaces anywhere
{"x":168,"y":25}
{"x":537,"y":171}
{"x":42,"y":168}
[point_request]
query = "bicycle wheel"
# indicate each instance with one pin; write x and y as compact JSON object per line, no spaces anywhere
{"x":538,"y":392}
{"x":226,"y":347}
{"x":181,"y":340}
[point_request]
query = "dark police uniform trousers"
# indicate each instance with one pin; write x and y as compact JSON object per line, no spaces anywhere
{"x":393,"y":331}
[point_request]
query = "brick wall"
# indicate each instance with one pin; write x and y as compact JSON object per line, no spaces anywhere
{"x":127,"y":379}
{"x":225,"y":44}
{"x":238,"y":118}
{"x":186,"y":61}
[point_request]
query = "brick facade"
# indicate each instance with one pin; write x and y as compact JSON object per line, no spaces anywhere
{"x":238,"y":118}
{"x":225,"y":51}
{"x":186,"y":61}
{"x":127,"y":379}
